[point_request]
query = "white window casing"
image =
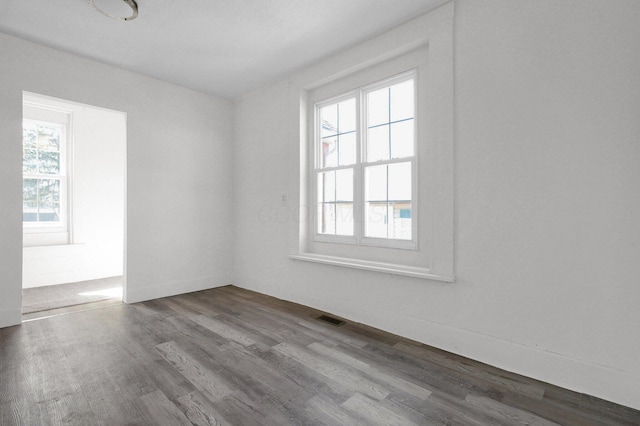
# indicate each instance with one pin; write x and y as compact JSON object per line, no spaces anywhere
{"x":421,"y":50}
{"x":52,"y":232}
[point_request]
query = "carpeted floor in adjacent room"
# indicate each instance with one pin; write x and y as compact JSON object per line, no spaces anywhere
{"x":39,"y":299}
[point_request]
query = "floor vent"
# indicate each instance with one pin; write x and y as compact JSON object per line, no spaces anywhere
{"x":331,"y":320}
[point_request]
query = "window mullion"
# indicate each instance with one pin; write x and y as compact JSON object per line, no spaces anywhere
{"x":389,"y":124}
{"x":358,"y":196}
{"x":335,"y":196}
{"x":390,"y":156}
{"x":338,"y":134}
{"x":387,"y":197}
{"x":37,"y":200}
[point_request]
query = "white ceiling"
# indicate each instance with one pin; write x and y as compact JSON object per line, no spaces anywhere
{"x":221,"y":47}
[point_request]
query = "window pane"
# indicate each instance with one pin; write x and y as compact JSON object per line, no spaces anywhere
{"x":29,"y":211}
{"x":400,"y":223}
{"x":49,"y":162}
{"x":329,"y":152}
{"x":326,"y":186}
{"x":30,"y":161}
{"x":376,"y":183}
{"x":50,"y":212}
{"x":29,"y":134}
{"x":319,"y":218}
{"x":48,"y":192}
{"x":326,"y":218}
{"x":344,"y":218}
{"x":347,"y":116}
{"x":400,"y":181}
{"x":402,"y":101}
{"x":378,"y":144}
{"x":329,"y":120}
{"x":347,"y":149}
{"x":402,"y":139}
{"x":376,"y":224}
{"x":378,"y":107}
{"x":30,"y":191}
{"x":344,"y":185}
{"x":48,"y":138}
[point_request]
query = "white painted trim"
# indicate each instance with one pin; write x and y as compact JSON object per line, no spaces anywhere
{"x":618,"y":386}
{"x":433,"y":31}
{"x":367,"y":265}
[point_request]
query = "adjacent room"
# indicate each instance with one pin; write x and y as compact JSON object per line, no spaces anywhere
{"x":320,"y":212}
{"x":73,"y":205}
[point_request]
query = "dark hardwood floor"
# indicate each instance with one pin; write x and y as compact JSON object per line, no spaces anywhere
{"x":232,"y":357}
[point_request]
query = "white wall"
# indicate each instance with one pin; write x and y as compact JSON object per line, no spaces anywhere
{"x":178,"y":168}
{"x":547,"y":202}
{"x":548,"y":237}
{"x":96,"y":250}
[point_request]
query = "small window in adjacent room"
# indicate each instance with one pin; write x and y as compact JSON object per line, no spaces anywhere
{"x":365,"y":165}
{"x":45,"y":182}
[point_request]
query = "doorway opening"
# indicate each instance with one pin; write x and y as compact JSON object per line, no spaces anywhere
{"x":74,"y":162}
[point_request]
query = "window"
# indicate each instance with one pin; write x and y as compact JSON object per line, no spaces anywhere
{"x":45,"y":176}
{"x":43,"y":173}
{"x":365,"y":164}
{"x":376,"y":157}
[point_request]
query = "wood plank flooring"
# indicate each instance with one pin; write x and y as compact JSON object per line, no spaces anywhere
{"x":228,"y":356}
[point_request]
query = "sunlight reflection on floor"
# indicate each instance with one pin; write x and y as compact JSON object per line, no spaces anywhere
{"x":108,"y":292}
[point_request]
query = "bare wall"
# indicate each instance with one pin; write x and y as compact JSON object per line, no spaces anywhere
{"x":547,"y":202}
{"x":178,"y":220}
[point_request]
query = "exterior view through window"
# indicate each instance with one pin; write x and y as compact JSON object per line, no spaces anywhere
{"x":365,"y":162}
{"x":44,"y":177}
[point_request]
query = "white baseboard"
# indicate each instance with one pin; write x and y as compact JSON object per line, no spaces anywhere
{"x":611,"y":384}
{"x":140,"y":293}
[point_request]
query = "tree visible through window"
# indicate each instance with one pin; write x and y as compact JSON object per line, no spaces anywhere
{"x":365,"y":162}
{"x":44,"y":177}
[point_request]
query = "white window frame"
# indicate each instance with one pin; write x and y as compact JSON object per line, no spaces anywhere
{"x":316,"y":168}
{"x":431,"y":37}
{"x":359,"y":203}
{"x":57,"y":233}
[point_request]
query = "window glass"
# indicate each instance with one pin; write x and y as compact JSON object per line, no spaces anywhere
{"x":378,"y":143}
{"x":384,"y":182}
{"x":401,"y":136}
{"x":43,"y":174}
{"x":378,"y":107}
{"x":347,"y":149}
{"x":401,"y":101}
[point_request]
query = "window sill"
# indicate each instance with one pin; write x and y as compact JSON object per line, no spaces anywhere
{"x":388,"y":268}
{"x":65,"y":246}
{"x":41,"y":239}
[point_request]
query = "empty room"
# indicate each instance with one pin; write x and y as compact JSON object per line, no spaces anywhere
{"x":320,"y":212}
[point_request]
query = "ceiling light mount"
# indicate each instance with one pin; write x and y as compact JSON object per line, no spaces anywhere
{"x":131,"y":3}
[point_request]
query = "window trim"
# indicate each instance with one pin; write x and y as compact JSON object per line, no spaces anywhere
{"x":41,"y":233}
{"x":433,"y":32}
{"x":359,"y":237}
